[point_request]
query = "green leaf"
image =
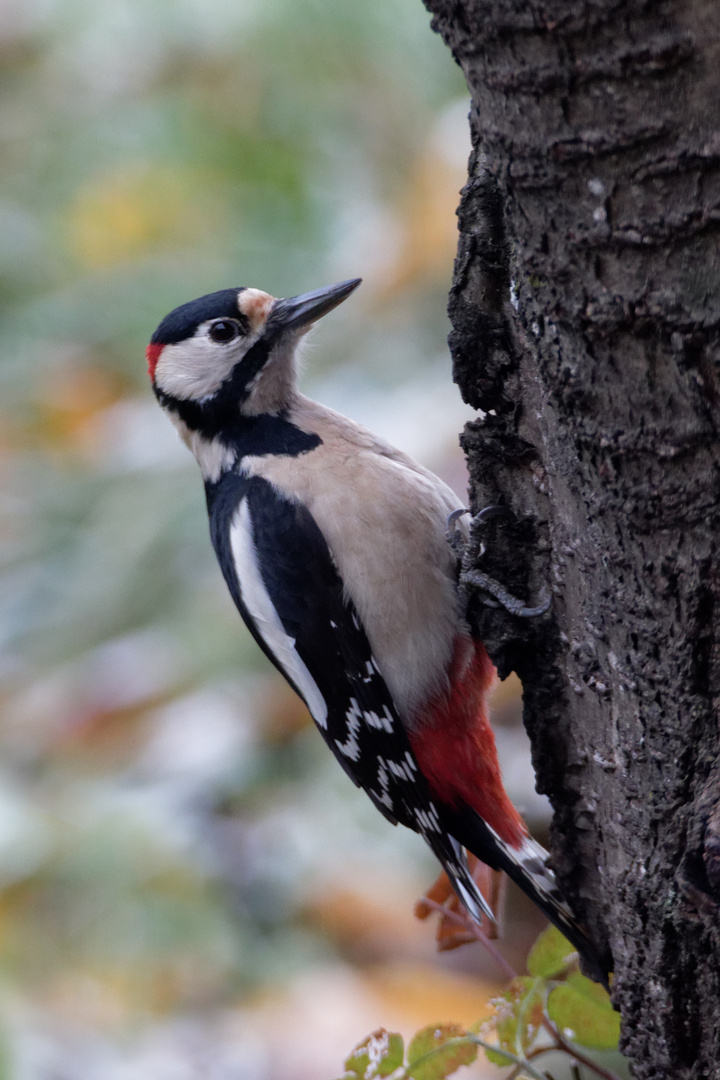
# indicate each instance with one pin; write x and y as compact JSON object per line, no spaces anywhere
{"x":439,"y":1050}
{"x":582,"y":1011}
{"x":550,"y":955}
{"x":520,"y":1014}
{"x":378,"y":1055}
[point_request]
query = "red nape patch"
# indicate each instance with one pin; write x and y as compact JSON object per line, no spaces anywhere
{"x":455,"y":745}
{"x":152,"y":354}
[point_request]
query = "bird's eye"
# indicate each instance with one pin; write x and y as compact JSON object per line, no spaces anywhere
{"x":224,"y":330}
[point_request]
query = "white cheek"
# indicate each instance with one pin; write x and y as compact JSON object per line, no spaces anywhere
{"x":196,"y":369}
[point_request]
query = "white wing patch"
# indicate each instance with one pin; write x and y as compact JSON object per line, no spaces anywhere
{"x":384,"y":795}
{"x":351,"y":747}
{"x":356,"y":716}
{"x":266,"y":619}
{"x":428,"y":820}
{"x":382,"y":723}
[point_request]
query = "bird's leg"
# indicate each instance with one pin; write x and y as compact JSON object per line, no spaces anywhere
{"x":470,"y":577}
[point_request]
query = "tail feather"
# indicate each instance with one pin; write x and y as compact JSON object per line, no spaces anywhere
{"x":527,"y":866}
{"x":464,"y":884}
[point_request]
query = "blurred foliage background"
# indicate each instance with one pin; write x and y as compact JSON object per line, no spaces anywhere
{"x":188,"y":884}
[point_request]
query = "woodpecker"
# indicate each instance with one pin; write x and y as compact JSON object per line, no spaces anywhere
{"x":334,"y":547}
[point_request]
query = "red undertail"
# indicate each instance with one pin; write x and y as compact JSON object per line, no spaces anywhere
{"x":455,"y":746}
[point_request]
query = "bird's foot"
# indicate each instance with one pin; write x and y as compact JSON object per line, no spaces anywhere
{"x":503,"y":598}
{"x":478,"y":580}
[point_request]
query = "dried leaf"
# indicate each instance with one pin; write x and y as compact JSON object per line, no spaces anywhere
{"x":378,"y":1055}
{"x":454,"y":928}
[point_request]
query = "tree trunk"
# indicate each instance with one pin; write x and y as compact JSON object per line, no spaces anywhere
{"x":585,"y":308}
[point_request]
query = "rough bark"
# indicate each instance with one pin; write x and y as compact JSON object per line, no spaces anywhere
{"x":586,"y":312}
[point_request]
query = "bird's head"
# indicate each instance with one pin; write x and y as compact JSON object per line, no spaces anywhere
{"x":233,"y":352}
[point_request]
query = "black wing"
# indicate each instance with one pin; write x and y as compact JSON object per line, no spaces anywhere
{"x":271,"y":550}
{"x":277,"y":565}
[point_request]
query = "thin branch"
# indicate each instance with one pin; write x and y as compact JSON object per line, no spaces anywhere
{"x":520,"y":1063}
{"x":606,"y":1074}
{"x":475,"y":929}
{"x":565,"y":1047}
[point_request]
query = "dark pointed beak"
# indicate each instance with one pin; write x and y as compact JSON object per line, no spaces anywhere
{"x":299,"y":311}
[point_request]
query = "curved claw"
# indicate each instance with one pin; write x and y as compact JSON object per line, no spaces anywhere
{"x":451,"y":535}
{"x":489,"y":512}
{"x":455,"y":515}
{"x":505,"y":599}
